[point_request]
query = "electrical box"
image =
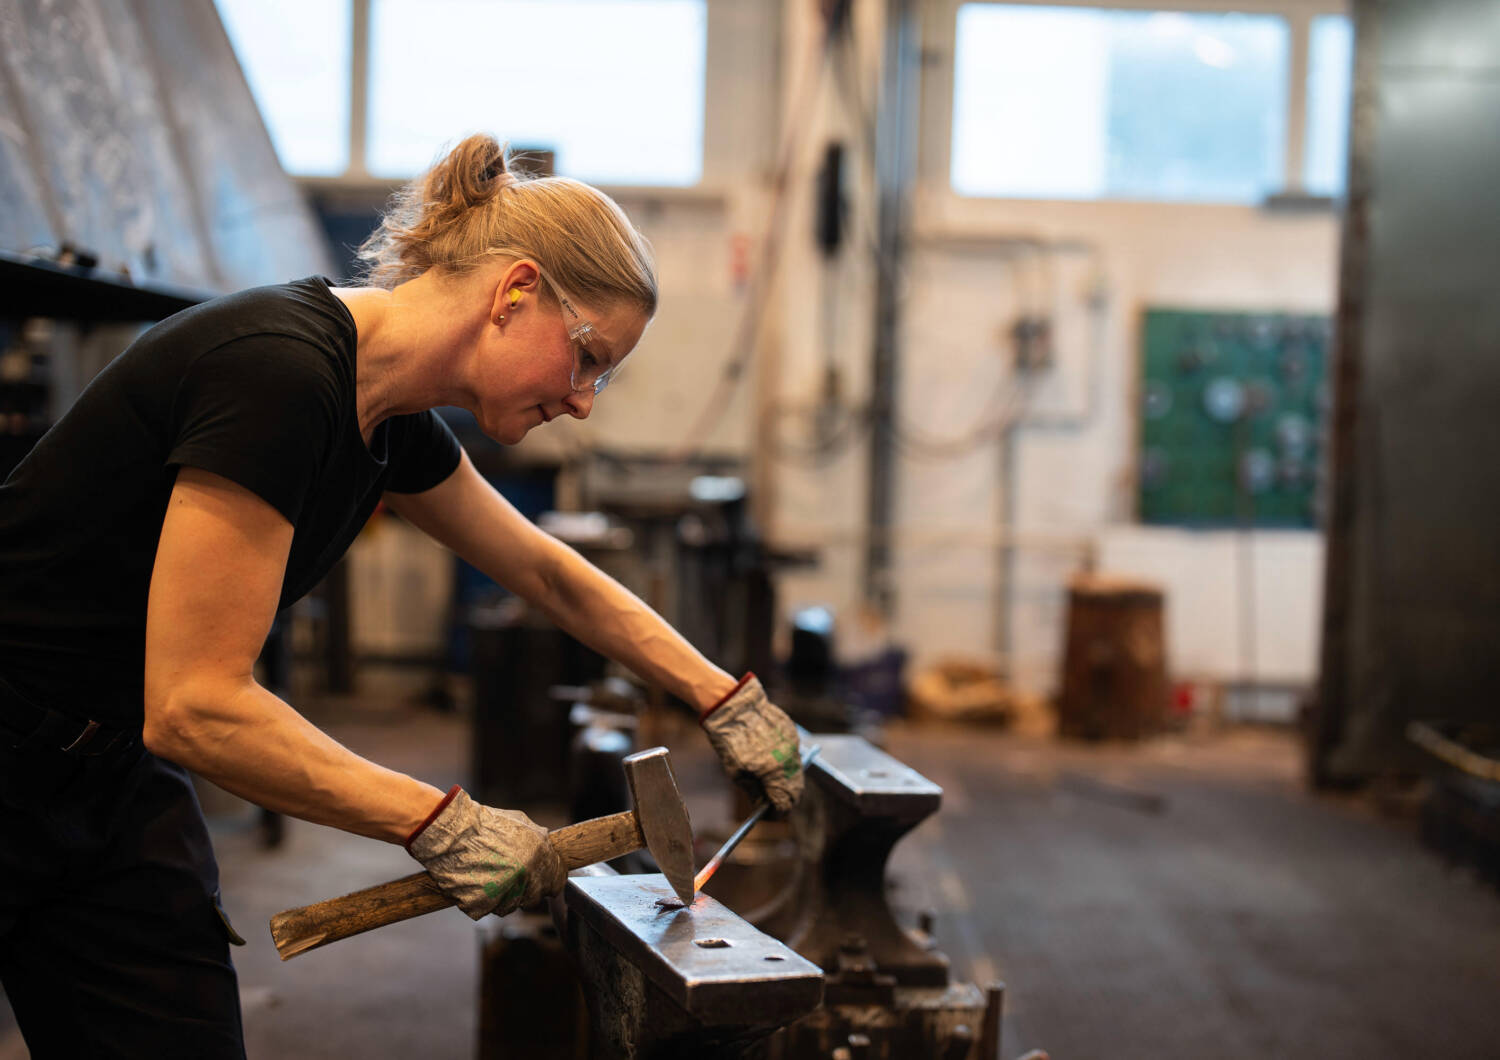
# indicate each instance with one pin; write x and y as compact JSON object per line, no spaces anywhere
{"x":1232,"y":418}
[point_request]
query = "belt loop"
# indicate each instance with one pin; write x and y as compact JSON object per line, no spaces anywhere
{"x":83,"y":737}
{"x":43,"y":727}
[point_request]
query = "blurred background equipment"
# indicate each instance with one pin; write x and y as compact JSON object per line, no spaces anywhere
{"x":522,"y":734}
{"x":1114,"y":682}
{"x":1412,"y":594}
{"x":1232,"y":415}
{"x":1461,"y":812}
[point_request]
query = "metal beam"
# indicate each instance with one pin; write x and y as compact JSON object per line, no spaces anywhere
{"x":895,"y":169}
{"x":37,"y":287}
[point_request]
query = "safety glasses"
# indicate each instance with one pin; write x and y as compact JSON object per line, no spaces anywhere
{"x":590,"y":371}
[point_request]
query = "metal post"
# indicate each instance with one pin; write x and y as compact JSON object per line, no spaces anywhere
{"x":895,"y":167}
{"x":1324,"y":732}
{"x":359,"y":89}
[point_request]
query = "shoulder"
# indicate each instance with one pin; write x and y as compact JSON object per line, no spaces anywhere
{"x":289,"y":372}
{"x":295,"y":304}
{"x":305,"y":313}
{"x":266,"y":381}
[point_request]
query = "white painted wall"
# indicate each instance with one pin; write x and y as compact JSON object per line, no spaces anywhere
{"x":1240,"y":606}
{"x":966,"y":278}
{"x":1079,"y":483}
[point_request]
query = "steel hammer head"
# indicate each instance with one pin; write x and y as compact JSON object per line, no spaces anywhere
{"x":663,"y":817}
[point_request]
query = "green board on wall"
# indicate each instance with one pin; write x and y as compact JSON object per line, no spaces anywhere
{"x":1232,"y":414}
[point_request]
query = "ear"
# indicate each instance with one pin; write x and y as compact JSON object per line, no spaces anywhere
{"x":521,"y":278}
{"x":499,"y":306}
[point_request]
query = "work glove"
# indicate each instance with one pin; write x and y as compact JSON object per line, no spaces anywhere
{"x":486,"y":860}
{"x":757,"y":744}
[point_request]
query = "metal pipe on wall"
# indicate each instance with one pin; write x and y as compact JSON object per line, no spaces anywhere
{"x":895,"y":171}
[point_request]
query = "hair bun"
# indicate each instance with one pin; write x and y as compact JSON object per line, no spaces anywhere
{"x":454,"y":217}
{"x":497,"y":170}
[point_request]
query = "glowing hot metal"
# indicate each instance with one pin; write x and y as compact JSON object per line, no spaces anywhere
{"x":706,"y":873}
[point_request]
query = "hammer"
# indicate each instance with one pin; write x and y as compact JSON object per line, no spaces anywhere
{"x":659,"y":823}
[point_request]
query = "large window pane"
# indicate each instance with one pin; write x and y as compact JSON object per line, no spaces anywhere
{"x":1330,"y":76}
{"x":1085,"y":103}
{"x":614,"y":87}
{"x":295,"y":54}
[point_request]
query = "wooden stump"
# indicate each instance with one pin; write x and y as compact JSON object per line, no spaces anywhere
{"x":1114,"y":667}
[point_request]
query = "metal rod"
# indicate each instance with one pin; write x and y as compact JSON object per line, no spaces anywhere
{"x":895,"y":172}
{"x":743,"y":830}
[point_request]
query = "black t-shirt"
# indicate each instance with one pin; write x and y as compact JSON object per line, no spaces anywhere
{"x":257,"y":387}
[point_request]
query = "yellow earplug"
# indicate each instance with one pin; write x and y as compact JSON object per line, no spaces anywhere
{"x":515,"y":297}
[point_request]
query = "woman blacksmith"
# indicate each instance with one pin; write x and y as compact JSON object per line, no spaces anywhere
{"x":211,"y":475}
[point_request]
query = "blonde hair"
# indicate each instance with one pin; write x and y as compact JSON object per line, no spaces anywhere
{"x":471,"y":206}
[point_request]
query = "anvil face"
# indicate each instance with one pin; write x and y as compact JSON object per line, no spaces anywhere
{"x":705,"y":957}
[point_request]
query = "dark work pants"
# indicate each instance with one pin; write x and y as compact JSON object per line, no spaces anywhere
{"x":112,"y":943}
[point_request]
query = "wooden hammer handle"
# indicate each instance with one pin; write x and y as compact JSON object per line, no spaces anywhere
{"x":310,"y":926}
{"x":601,"y":839}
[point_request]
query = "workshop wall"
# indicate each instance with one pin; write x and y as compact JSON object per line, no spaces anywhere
{"x":1240,"y":606}
{"x":1080,"y":480}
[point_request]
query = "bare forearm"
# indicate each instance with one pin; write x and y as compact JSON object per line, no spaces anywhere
{"x":606,"y":616}
{"x":252,"y":744}
{"x":467,"y":515}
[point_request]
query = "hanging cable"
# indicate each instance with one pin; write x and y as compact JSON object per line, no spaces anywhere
{"x":1003,"y":410}
{"x":834,"y":55}
{"x":742,"y":348}
{"x":832,"y":442}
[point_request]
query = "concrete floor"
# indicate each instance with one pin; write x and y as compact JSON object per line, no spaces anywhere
{"x":1185,"y":897}
{"x":1188,"y":898}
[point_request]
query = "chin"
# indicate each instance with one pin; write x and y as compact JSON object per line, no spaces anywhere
{"x":505,"y":433}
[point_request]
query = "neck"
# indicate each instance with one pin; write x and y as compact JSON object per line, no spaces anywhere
{"x":408,"y":342}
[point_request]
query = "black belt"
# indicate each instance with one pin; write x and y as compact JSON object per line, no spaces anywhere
{"x":36,"y":726}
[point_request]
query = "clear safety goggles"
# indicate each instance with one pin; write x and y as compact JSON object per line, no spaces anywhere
{"x":590,"y":371}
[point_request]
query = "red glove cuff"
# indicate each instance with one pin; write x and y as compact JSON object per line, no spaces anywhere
{"x":727,"y":696}
{"x":433,"y":816}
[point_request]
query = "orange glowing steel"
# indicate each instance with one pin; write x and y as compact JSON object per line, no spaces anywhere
{"x":706,"y":873}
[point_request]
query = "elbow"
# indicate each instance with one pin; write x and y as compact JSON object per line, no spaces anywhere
{"x":164,"y":726}
{"x":177,"y":720}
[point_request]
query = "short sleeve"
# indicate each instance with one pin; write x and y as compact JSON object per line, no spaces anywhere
{"x":262,"y":412}
{"x":423,"y":454}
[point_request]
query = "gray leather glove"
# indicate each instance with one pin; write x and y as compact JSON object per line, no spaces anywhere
{"x":757,"y":743}
{"x":486,"y":860}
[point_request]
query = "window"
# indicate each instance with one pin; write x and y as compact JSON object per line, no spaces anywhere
{"x":614,"y":89}
{"x":295,"y":54}
{"x":1330,"y":77}
{"x":1086,"y":103}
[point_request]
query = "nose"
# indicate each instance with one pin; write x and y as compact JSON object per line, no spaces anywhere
{"x":580,"y":403}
